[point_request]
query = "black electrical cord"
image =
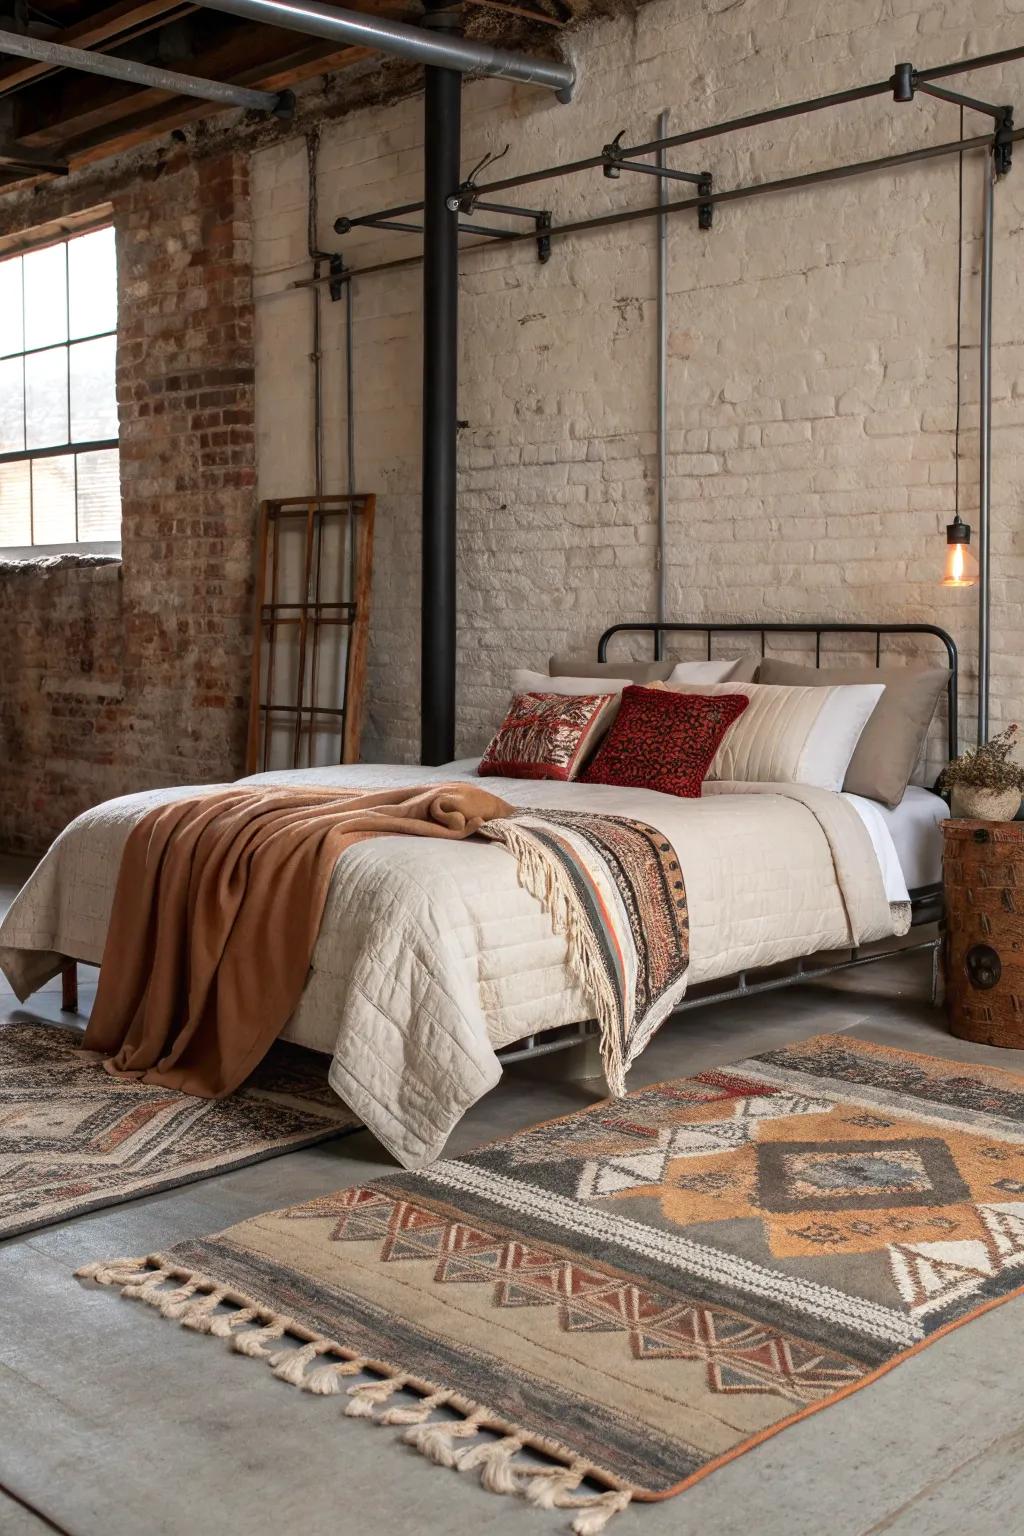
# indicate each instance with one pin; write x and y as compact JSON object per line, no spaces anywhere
{"x":959,"y":313}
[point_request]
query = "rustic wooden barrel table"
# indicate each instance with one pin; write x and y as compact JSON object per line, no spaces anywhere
{"x":983,"y":876}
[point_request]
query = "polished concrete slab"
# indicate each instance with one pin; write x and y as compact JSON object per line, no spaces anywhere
{"x":114,"y":1421}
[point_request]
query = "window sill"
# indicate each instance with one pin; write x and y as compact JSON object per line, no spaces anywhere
{"x":100,"y":553}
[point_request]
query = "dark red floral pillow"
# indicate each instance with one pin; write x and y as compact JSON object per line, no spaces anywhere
{"x":546,"y":735}
{"x":664,"y":740}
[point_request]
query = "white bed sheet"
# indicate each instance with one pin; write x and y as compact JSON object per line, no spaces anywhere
{"x":913,"y":835}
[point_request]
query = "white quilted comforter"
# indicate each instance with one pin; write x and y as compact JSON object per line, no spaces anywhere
{"x":431,"y":956}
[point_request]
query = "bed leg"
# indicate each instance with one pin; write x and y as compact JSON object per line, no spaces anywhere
{"x":69,"y":986}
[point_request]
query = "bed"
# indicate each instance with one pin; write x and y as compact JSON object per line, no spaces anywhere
{"x":433,"y":962}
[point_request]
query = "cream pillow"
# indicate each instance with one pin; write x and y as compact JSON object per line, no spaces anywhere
{"x":791,"y":735}
{"x":719,"y":671}
{"x":524,"y":681}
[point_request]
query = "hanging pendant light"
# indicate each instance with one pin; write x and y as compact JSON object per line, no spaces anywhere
{"x":961,"y":563}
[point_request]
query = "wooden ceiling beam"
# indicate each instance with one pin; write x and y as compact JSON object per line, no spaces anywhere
{"x":72,"y":104}
{"x":132,"y":16}
{"x":164,"y":114}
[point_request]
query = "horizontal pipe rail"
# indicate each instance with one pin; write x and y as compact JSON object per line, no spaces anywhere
{"x":730,"y":125}
{"x":60,"y":56}
{"x":438,"y":49}
{"x":683,"y":205}
{"x":758,"y":119}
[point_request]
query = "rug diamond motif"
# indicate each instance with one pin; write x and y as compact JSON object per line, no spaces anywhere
{"x":657,"y":1282}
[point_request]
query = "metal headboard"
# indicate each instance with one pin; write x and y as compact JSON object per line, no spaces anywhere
{"x":658,"y":631}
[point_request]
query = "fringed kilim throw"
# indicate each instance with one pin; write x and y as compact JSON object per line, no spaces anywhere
{"x":74,"y":1139}
{"x":610,"y":1306}
{"x":614,"y":887}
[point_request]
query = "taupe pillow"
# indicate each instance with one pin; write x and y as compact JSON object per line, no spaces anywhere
{"x":741,"y":670}
{"x":888,"y":751}
{"x":585,"y":666}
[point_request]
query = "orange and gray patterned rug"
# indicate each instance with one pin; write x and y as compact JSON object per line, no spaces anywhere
{"x":612,"y":1305}
{"x":73,"y":1138}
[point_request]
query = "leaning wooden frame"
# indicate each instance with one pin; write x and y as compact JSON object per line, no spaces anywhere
{"x":332,"y":595}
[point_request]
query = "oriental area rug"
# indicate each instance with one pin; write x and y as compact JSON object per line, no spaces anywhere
{"x":74,"y":1139}
{"x":609,"y":1306}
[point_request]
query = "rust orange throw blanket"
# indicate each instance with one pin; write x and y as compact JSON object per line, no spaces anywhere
{"x":216,"y":913}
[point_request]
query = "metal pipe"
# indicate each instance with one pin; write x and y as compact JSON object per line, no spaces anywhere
{"x":985,"y":457}
{"x":442,"y":146}
{"x":404,"y":228}
{"x":758,"y":119}
{"x":661,"y":603}
{"x":960,"y":101}
{"x":439,"y":51}
{"x":657,"y":169}
{"x":130,"y":70}
{"x":730,"y":195}
{"x":350,"y":423}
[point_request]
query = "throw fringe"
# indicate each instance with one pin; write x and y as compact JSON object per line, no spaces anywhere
{"x":193,"y":1303}
{"x":545,"y":880}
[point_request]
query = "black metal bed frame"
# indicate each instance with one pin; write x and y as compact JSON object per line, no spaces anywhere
{"x":925,"y":902}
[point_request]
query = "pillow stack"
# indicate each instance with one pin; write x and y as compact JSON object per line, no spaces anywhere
{"x":668,"y":726}
{"x":894,"y":737}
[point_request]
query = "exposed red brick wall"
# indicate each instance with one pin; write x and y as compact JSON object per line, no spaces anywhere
{"x":120,"y":678}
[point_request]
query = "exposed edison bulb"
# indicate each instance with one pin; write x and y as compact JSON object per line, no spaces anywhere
{"x":961,"y":565}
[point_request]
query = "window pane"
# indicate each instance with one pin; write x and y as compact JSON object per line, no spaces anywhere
{"x":15,"y":505}
{"x":11,"y":333}
{"x":46,"y":296}
{"x":93,"y":401}
{"x":92,"y":283}
{"x":46,"y":398}
{"x":99,"y":495}
{"x":12,"y":405}
{"x":53,"y":500}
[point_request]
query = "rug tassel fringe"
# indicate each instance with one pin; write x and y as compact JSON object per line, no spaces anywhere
{"x":366,"y":1395}
{"x":325,"y":1381}
{"x":416,"y":1412}
{"x":193,"y":1303}
{"x":254,"y":1340}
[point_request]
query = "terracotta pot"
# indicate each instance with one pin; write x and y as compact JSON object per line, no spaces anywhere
{"x":985,"y":804}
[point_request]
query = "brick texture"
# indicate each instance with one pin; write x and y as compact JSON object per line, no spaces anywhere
{"x":117,"y":678}
{"x":811,"y":368}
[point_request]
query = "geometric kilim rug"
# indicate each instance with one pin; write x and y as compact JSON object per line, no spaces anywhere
{"x":642,"y":1290}
{"x":73,"y":1138}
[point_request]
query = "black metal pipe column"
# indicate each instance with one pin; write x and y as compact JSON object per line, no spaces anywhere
{"x":442,"y":144}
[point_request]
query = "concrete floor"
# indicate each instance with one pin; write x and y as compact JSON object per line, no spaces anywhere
{"x":114,"y":1421}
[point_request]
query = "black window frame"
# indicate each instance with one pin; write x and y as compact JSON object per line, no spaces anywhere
{"x":58,"y":450}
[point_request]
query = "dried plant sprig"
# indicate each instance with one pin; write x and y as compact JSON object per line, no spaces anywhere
{"x":988,"y":766}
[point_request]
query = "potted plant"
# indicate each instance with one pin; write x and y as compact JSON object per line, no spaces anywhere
{"x":983,"y":780}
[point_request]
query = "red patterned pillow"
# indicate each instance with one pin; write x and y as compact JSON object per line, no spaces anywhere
{"x":664,"y":740}
{"x":546,"y":735}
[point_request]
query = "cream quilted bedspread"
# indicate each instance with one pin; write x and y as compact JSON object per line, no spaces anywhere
{"x":431,"y":956}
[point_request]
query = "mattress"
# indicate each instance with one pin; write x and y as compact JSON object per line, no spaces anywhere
{"x":914,"y":835}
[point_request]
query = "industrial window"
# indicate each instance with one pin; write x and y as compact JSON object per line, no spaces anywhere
{"x":59,"y":481}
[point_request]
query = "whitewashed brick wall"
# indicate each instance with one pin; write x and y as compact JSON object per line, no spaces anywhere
{"x":811,"y":372}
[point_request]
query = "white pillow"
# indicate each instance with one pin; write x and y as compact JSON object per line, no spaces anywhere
{"x":787,"y":736}
{"x":704,"y":671}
